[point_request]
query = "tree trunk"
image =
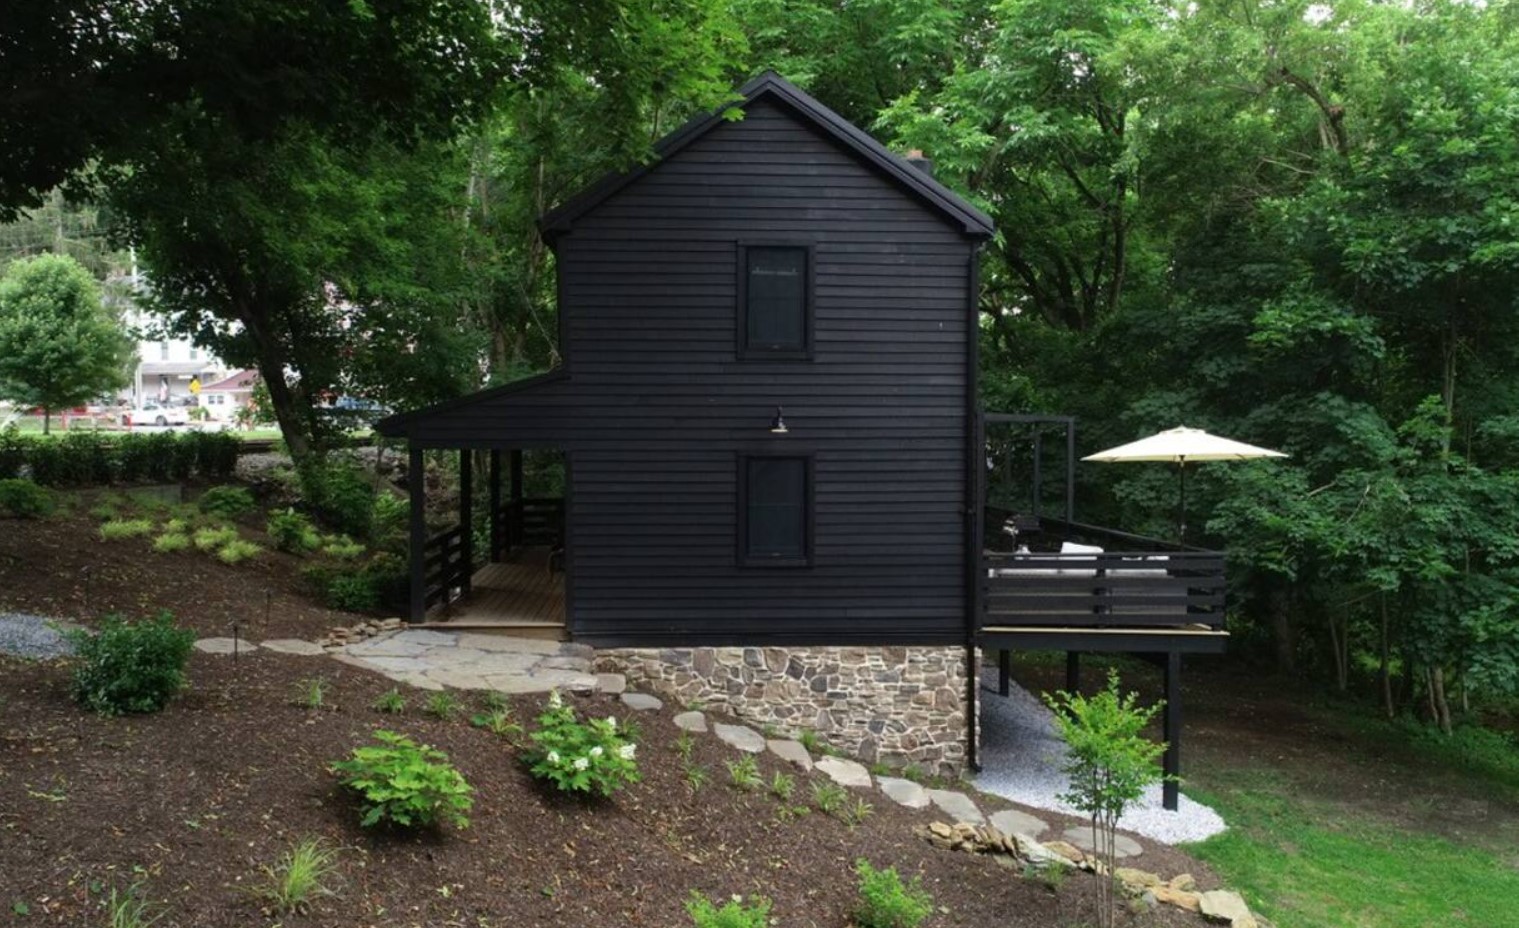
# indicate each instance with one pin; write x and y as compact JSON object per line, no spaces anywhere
{"x":1279,"y":617}
{"x":1441,"y":703}
{"x":1384,"y":672}
{"x":47,"y":420}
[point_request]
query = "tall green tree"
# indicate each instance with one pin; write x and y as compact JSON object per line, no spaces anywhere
{"x":59,"y":347}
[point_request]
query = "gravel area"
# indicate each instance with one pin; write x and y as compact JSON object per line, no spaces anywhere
{"x":32,"y":636}
{"x":1021,"y":756}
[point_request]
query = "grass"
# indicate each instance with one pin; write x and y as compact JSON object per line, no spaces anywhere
{"x":1301,"y":865}
{"x":128,"y":910}
{"x":211,"y":539}
{"x":390,"y":702}
{"x":236,"y":551}
{"x":300,"y":876}
{"x":311,"y":693}
{"x":170,"y":542}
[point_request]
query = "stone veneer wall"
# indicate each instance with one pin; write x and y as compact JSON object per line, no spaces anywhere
{"x":897,"y":706}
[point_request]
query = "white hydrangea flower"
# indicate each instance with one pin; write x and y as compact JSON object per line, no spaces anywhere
{"x":581,"y":763}
{"x":596,"y":751}
{"x":612,"y":722}
{"x":626,"y":751}
{"x":553,"y":757}
{"x":555,"y":700}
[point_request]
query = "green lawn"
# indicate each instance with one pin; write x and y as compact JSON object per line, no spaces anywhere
{"x":1305,"y":861}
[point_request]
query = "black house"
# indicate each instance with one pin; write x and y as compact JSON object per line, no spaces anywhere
{"x":769,"y":421}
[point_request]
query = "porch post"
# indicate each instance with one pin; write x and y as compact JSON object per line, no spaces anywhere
{"x":1073,"y":671}
{"x":466,"y":519}
{"x":514,"y":523}
{"x":417,"y":486}
{"x":1004,"y":672}
{"x":1172,"y":730}
{"x":495,"y":503}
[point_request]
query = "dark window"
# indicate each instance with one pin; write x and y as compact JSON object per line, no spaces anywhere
{"x":775,"y":297}
{"x":774,"y":517}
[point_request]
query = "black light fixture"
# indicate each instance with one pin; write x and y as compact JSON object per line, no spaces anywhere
{"x":778,"y":424}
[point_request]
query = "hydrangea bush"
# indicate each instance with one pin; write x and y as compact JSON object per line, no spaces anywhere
{"x":590,"y":756}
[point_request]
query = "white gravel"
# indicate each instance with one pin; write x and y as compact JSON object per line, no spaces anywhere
{"x":32,"y":636}
{"x":1021,"y":755}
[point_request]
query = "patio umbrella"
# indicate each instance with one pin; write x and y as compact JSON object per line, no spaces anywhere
{"x":1182,"y":446}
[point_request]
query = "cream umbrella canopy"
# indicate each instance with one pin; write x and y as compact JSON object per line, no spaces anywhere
{"x":1182,"y":446}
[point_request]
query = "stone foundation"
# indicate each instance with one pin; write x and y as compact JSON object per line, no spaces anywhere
{"x":896,"y":706}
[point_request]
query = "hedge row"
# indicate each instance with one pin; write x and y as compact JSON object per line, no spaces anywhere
{"x":94,"y":458}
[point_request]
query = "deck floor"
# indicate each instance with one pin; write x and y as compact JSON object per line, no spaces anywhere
{"x":517,"y":591}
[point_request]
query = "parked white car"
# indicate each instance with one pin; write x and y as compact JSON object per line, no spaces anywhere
{"x":154,"y":413}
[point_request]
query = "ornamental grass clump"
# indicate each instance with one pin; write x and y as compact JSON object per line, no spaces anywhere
{"x":404,"y":784}
{"x":130,"y":667}
{"x":591,"y":756}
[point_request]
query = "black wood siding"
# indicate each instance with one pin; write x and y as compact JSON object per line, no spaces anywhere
{"x":656,"y":407}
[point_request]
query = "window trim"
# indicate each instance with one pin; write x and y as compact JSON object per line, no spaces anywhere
{"x":809,"y":501}
{"x":746,"y":353}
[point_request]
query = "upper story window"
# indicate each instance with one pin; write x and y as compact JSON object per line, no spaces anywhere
{"x":194,"y":353}
{"x":775,"y":301}
{"x":163,"y":351}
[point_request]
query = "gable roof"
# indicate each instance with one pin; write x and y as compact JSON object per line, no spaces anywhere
{"x":845,"y":134}
{"x":399,"y":424}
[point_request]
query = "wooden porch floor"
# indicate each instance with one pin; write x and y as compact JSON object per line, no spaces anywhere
{"x":518,"y":593}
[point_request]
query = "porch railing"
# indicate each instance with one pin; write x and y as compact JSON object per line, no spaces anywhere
{"x":444,"y":570}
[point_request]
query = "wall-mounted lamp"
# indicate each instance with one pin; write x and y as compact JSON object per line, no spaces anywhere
{"x":778,"y":424}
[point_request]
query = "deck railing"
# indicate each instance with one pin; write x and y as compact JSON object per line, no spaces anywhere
{"x":1149,"y":583}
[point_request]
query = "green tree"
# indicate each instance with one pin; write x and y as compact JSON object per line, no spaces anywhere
{"x":59,"y":347}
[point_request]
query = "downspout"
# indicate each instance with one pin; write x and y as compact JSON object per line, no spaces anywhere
{"x":975,"y":444}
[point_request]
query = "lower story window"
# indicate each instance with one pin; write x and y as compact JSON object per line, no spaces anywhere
{"x":775,"y":518}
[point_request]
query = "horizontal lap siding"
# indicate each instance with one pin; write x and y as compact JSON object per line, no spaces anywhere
{"x":657,"y":406}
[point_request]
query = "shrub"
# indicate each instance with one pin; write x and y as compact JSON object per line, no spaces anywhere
{"x":733,"y":914}
{"x":404,"y":784}
{"x":215,"y":453}
{"x":341,"y":495}
{"x":360,"y":588}
{"x":300,"y":876}
{"x":352,"y":592}
{"x":886,"y":903}
{"x":576,"y":756}
{"x":130,"y":667}
{"x":226,"y":502}
{"x":12,"y":452}
{"x":237,"y":551}
{"x":212,"y":539}
{"x":23,"y":499}
{"x":391,"y":513}
{"x":169,"y":542}
{"x":291,"y":531}
{"x":117,"y":529}
{"x":1109,"y":763}
{"x":135,"y":461}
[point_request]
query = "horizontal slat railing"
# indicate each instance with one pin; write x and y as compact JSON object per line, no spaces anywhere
{"x":1140,"y":589}
{"x":542,"y":521}
{"x":443,"y":567}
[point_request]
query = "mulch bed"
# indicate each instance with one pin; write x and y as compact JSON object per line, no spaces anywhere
{"x":191,"y":802}
{"x":60,"y":567}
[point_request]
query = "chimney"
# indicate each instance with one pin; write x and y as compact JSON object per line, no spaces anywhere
{"x":916,"y":158}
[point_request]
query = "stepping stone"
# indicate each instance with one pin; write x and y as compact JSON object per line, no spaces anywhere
{"x":957,"y":806}
{"x":225,"y":645}
{"x":613,"y":683}
{"x":691,"y":721}
{"x":790,"y":751}
{"x":904,"y":792}
{"x":427,"y":638}
{"x":1081,"y":836}
{"x":397,"y":664}
{"x":1224,"y":906}
{"x":844,"y":772}
{"x":506,"y":643}
{"x":417,"y":680}
{"x":387,"y":647}
{"x":458,"y":679}
{"x":577,"y":664}
{"x":1013,"y":822}
{"x":642,"y":702}
{"x":741,"y":737}
{"x":567,"y":680}
{"x":293,"y":646}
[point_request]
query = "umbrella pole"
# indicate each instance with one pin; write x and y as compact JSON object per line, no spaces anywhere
{"x":1181,"y":474}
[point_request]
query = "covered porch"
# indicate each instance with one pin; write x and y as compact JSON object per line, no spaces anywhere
{"x":517,"y":583}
